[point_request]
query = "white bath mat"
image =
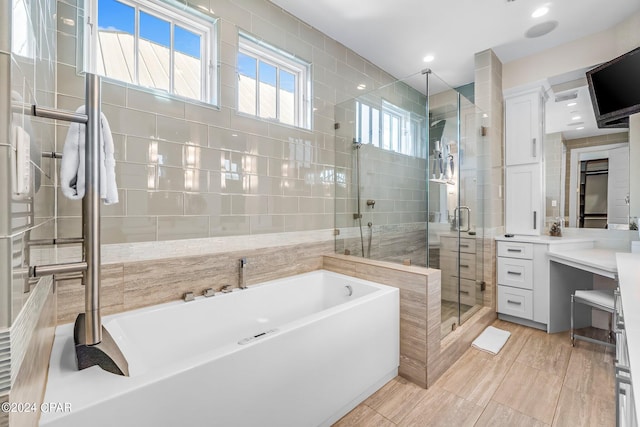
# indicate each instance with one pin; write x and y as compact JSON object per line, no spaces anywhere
{"x":491,"y":340}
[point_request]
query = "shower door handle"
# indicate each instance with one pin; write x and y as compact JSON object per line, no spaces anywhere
{"x":458,"y":218}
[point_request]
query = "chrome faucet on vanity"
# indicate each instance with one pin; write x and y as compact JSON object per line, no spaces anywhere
{"x":242,"y":284}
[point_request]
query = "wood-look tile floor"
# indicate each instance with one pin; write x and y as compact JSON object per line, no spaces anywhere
{"x":537,"y":379}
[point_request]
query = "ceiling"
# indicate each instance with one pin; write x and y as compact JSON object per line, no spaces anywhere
{"x":396,"y":36}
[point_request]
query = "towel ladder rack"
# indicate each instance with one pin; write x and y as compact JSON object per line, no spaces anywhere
{"x":94,"y":345}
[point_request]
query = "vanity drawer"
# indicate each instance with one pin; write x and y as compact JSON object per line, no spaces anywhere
{"x":449,"y":266}
{"x":468,"y":292}
{"x":515,"y":272}
{"x":468,"y":245}
{"x":467,"y":266}
{"x":451,"y":244}
{"x":515,"y":250}
{"x":515,"y":302}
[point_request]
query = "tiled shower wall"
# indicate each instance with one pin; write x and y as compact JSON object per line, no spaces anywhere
{"x":395,"y":225}
{"x":250,"y":176}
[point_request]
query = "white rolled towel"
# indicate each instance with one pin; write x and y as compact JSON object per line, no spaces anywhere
{"x":72,"y":165}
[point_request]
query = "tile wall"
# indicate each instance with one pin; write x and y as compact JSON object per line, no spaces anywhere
{"x":250,"y":176}
{"x":488,"y":97}
{"x":30,"y":69}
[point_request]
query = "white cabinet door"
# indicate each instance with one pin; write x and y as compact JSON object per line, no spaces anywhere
{"x":523,"y":128}
{"x":524,"y":199}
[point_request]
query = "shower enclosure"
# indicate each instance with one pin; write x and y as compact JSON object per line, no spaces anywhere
{"x":409,"y":167}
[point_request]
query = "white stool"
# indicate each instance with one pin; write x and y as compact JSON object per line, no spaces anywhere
{"x":599,"y":299}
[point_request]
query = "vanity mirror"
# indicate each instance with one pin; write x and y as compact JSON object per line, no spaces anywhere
{"x":586,"y":168}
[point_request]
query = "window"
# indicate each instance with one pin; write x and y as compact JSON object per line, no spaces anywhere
{"x":389,"y":127}
{"x":273,"y":84}
{"x":153,"y":44}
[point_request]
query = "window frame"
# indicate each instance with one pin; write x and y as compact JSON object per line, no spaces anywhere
{"x":267,"y":53}
{"x":407,"y":133}
{"x":176,"y":13}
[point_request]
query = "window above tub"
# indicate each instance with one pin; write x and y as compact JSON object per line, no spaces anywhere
{"x":273,"y":84}
{"x":161,"y":45}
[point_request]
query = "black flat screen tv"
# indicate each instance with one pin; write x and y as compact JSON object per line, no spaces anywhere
{"x":615,"y":90}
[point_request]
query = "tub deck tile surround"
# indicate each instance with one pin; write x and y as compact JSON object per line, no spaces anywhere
{"x":413,"y":283}
{"x":505,"y":390}
{"x":71,"y":294}
{"x":141,"y":283}
{"x":424,"y":356}
{"x":156,"y":282}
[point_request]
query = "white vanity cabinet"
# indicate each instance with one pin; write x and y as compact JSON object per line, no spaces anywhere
{"x":523,"y":283}
{"x":524,"y":131}
{"x":524,"y":212}
{"x":523,"y":113}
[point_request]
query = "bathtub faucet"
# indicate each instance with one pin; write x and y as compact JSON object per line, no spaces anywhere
{"x":242,"y":284}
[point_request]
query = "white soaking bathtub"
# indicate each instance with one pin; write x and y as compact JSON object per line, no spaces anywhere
{"x":299,"y":351}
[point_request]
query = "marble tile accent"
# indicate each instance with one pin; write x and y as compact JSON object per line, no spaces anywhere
{"x":135,"y":284}
{"x":4,"y":416}
{"x":147,"y":251}
{"x":414,"y":283}
{"x":25,"y":325}
{"x":31,"y":378}
{"x":71,"y":294}
{"x":424,"y":356}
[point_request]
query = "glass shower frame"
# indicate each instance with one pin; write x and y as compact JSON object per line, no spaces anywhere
{"x":391,"y":205}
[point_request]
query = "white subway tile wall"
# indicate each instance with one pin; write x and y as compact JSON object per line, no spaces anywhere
{"x":186,"y":169}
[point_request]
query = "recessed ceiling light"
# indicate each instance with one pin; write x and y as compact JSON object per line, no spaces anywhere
{"x":576,"y":118}
{"x":541,"y":11}
{"x":428,"y":58}
{"x":572,"y":104}
{"x":580,"y":128}
{"x":362,"y":86}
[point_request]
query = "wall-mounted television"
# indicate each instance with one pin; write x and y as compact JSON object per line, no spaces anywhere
{"x":615,"y":90}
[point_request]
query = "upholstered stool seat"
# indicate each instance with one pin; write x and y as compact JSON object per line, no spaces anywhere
{"x":599,"y":299}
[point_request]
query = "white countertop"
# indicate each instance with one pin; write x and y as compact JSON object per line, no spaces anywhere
{"x":543,"y":239}
{"x":629,"y":282}
{"x":600,"y":261}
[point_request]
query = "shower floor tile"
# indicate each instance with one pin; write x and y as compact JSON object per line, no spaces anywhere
{"x":537,"y":379}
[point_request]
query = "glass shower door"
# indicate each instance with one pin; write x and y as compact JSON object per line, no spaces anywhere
{"x":456,"y":239}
